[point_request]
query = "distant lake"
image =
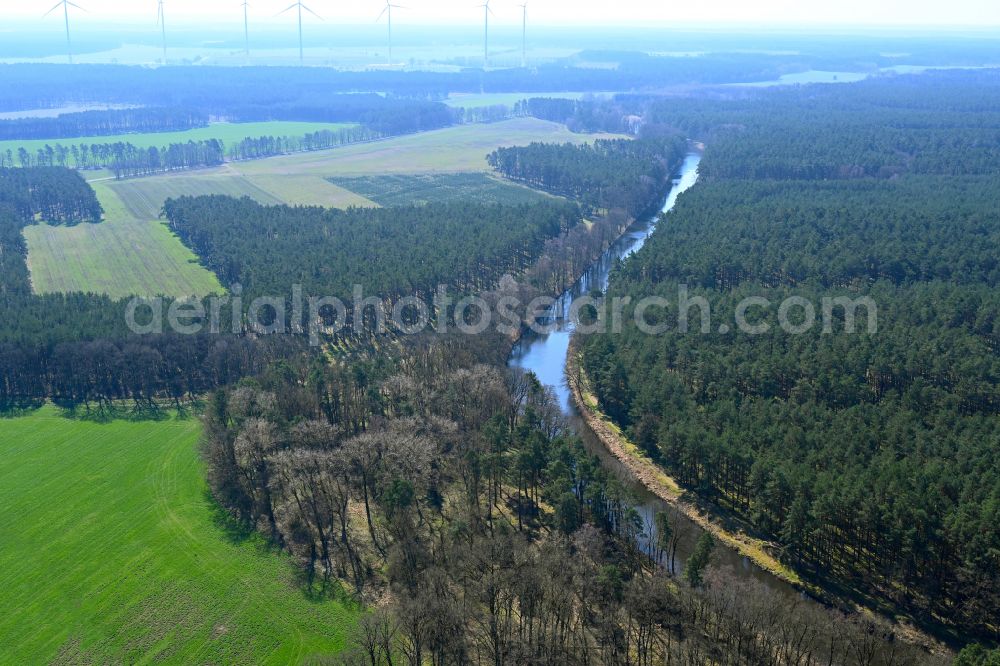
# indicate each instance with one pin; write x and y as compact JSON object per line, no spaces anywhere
{"x":53,"y":112}
{"x":811,"y":76}
{"x":820,"y":76}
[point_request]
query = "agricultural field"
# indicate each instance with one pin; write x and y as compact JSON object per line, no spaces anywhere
{"x":132,"y":253}
{"x":438,"y":188}
{"x":456,"y":149}
{"x":144,"y":197}
{"x":126,"y":255}
{"x":228,"y":133}
{"x":308,"y":190}
{"x":113,"y":552}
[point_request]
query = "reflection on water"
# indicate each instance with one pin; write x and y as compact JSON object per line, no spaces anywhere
{"x":545,"y":355}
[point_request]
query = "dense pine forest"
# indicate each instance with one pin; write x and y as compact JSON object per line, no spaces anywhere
{"x":937,"y":123}
{"x":619,"y":173}
{"x":390,"y":252}
{"x":871,"y":458}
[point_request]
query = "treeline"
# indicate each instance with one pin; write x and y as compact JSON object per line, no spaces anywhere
{"x":321,"y":94}
{"x":489,"y":114}
{"x":102,"y":123}
{"x":142,"y":370}
{"x":55,"y":195}
{"x":267,"y":146}
{"x":620,"y":114}
{"x":455,"y":488}
{"x":608,"y":174}
{"x":391,"y":252}
{"x":871,"y":459}
{"x":124,"y":159}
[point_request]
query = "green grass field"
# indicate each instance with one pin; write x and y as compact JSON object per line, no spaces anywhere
{"x":112,"y":553}
{"x":228,"y":133}
{"x":433,"y":188}
{"x":123,"y":256}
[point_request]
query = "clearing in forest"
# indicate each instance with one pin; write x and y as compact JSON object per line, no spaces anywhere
{"x":112,"y":551}
{"x":123,"y":256}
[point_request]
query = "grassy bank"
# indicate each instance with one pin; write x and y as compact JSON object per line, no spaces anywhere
{"x":723,"y":527}
{"x":661,"y":484}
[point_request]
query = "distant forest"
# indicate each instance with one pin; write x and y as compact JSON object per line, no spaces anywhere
{"x":278,"y":93}
{"x":103,"y":123}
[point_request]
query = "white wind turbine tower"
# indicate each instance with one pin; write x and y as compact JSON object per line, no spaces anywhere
{"x":246,"y":28}
{"x":486,"y":33}
{"x":524,"y":35}
{"x":161,"y":20}
{"x":387,"y":12}
{"x":298,"y":5}
{"x":66,"y":4}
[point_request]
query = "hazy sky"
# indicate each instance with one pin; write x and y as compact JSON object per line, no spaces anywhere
{"x":552,"y":12}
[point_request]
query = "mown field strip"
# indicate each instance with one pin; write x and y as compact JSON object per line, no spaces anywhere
{"x":144,"y":197}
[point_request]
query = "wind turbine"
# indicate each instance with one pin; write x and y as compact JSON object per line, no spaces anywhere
{"x":300,"y":7}
{"x":66,"y":4}
{"x":246,"y":28}
{"x":387,"y":11}
{"x":486,"y":33}
{"x":524,"y":35}
{"x":161,"y":20}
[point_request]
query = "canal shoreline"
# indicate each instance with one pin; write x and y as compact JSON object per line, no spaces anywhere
{"x":553,"y":357}
{"x":660,"y":484}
